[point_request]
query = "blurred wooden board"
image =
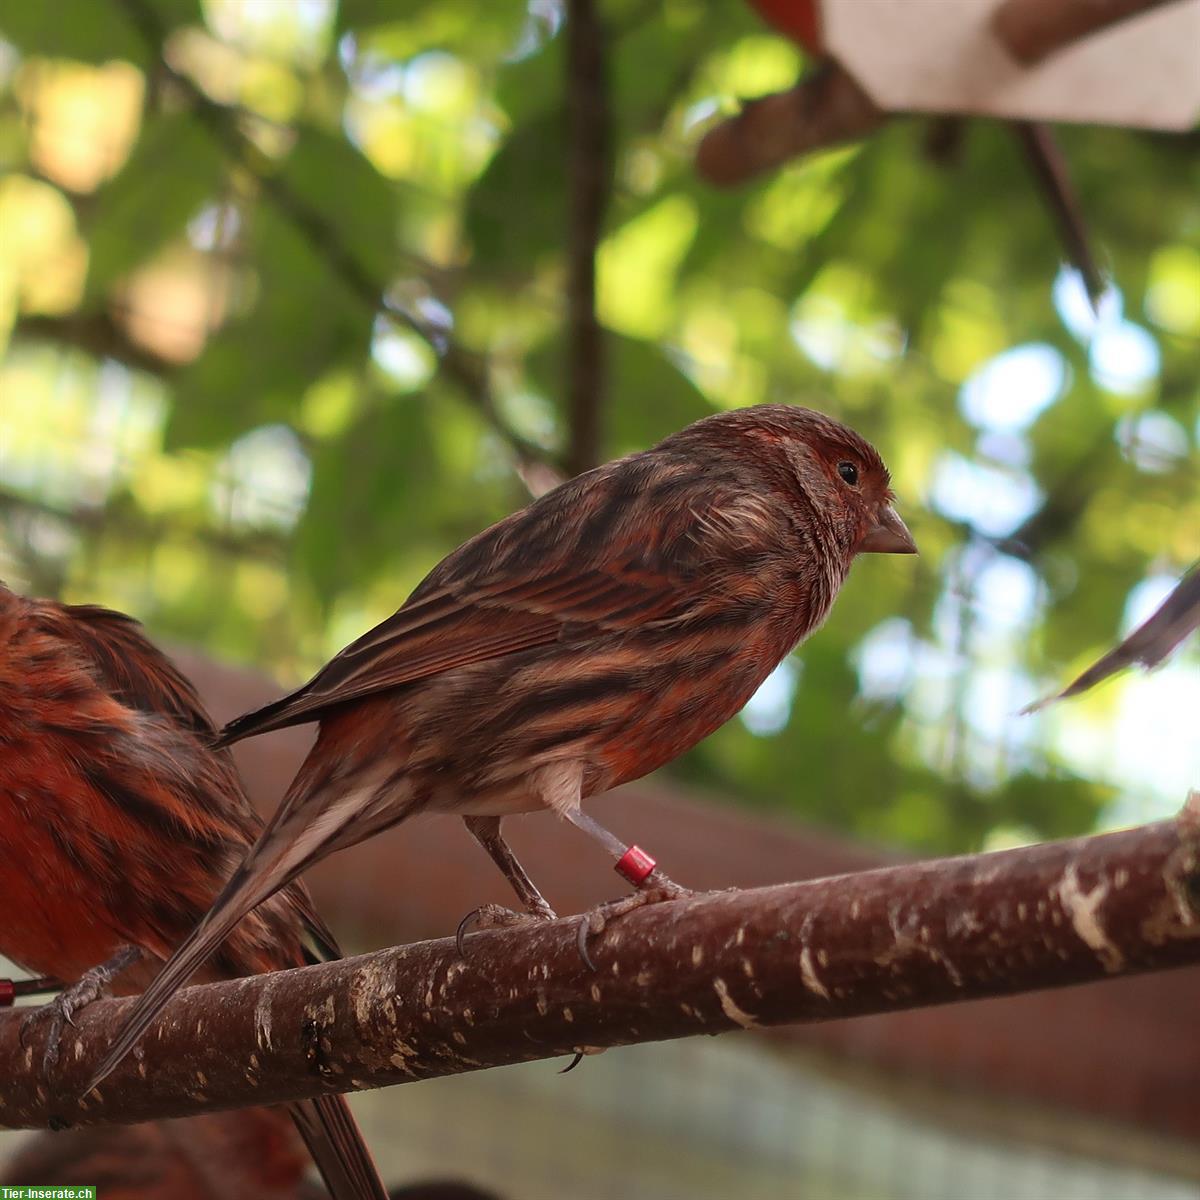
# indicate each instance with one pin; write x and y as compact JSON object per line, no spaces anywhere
{"x":943,"y":56}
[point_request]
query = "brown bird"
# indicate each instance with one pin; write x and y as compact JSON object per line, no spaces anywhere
{"x":118,"y":825}
{"x":576,"y":645}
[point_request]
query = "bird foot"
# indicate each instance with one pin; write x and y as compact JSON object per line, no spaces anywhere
{"x":55,"y":1015}
{"x":496,"y":916}
{"x":60,"y":1012}
{"x":656,"y":888}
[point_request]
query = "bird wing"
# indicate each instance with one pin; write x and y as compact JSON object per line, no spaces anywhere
{"x":454,"y":626}
{"x":129,"y":665}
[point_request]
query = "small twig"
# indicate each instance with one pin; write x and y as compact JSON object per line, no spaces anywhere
{"x":130,"y":520}
{"x":589,"y":182}
{"x":879,"y":941}
{"x":1054,"y":183}
{"x":98,"y":334}
{"x":826,"y":108}
{"x":1033,"y":29}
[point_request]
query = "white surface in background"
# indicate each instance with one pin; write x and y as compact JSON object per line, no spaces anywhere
{"x":942,"y":56}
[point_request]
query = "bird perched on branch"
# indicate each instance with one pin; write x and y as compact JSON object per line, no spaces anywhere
{"x":576,"y":645}
{"x":119,"y":823}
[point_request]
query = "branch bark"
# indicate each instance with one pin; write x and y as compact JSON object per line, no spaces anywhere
{"x":97,"y":334}
{"x":901,"y":937}
{"x":1032,"y":30}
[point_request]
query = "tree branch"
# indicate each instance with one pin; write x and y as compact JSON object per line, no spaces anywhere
{"x":97,"y":334}
{"x":901,"y":937}
{"x":826,"y":108}
{"x":127,"y":520}
{"x":1053,"y":179}
{"x":589,"y":174}
{"x":1034,"y":29}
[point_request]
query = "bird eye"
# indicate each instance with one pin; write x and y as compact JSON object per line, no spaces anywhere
{"x":849,"y":472}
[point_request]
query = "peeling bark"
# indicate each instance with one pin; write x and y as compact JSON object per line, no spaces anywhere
{"x":900,"y":937}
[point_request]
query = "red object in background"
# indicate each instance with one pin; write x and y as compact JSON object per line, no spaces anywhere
{"x":12,"y":989}
{"x":797,"y":19}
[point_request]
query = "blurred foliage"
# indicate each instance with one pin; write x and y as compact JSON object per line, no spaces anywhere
{"x":281,"y":291}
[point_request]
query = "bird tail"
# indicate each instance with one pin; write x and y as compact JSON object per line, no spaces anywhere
{"x":333,"y":1139}
{"x":243,"y":892}
{"x":325,"y":1122}
{"x":293,"y":839}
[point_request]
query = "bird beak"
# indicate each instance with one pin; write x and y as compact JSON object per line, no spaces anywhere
{"x":889,"y":535}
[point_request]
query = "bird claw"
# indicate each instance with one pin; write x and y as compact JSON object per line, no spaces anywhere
{"x":60,"y":1011}
{"x":581,"y":1052}
{"x":496,"y":916}
{"x":57,"y":1014}
{"x":656,"y":889}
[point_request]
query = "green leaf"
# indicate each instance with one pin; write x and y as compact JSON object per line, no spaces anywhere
{"x":92,"y":31}
{"x":516,"y":212}
{"x":648,"y":396}
{"x":332,"y":194}
{"x":246,"y":377}
{"x":370,"y":488}
{"x":133,"y":218}
{"x":1055,"y":808}
{"x":322,"y":243}
{"x":661,"y":398}
{"x":533,"y":84}
{"x":399,"y":29}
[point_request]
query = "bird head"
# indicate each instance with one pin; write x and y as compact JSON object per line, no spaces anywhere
{"x":833,"y":474}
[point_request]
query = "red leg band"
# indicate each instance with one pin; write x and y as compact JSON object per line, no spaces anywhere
{"x":635,"y":864}
{"x":8,"y":993}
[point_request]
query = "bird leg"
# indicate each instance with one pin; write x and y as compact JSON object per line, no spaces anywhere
{"x":486,"y":831}
{"x":633,"y":864}
{"x":60,"y":1011}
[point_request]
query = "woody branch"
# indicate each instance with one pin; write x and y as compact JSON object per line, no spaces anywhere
{"x":826,"y":108}
{"x":901,"y":937}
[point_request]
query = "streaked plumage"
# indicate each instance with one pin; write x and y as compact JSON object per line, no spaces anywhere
{"x":579,"y":643}
{"x":119,"y":823}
